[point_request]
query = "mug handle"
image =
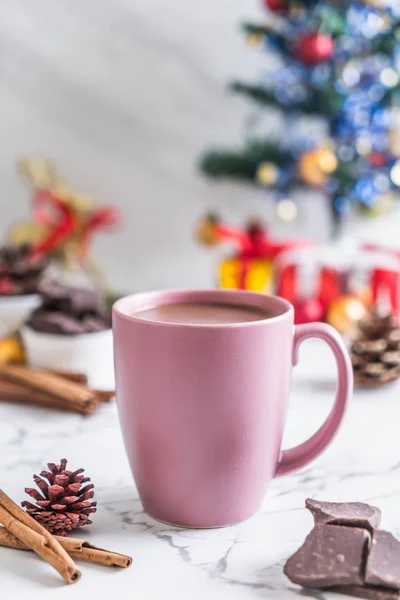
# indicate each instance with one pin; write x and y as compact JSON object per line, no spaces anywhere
{"x":295,"y":458}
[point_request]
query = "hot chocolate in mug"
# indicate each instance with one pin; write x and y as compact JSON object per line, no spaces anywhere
{"x":202,"y":385}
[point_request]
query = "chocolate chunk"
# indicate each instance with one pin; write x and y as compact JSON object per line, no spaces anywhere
{"x":331,"y":555}
{"x":383,"y":563}
{"x":92,"y":324}
{"x":352,"y":514}
{"x":53,"y":322}
{"x":70,"y":310}
{"x":21,"y":272}
{"x":368,"y":592}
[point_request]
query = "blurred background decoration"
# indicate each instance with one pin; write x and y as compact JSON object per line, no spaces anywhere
{"x":337,"y":84}
{"x":337,"y":283}
{"x":63,"y":223}
{"x":126,"y":110}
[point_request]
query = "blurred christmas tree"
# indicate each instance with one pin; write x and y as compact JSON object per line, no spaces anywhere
{"x":339,"y":63}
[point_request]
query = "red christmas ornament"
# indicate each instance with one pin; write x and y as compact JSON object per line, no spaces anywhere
{"x":313,"y":48}
{"x":307,"y":311}
{"x":276,"y":5}
{"x":378,"y":159}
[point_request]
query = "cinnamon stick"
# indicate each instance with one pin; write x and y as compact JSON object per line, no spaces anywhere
{"x":104,"y":395}
{"x":37,"y":538}
{"x":15,"y":392}
{"x":101,"y":395}
{"x":70,"y":375}
{"x":76,"y":548}
{"x":75,"y":393}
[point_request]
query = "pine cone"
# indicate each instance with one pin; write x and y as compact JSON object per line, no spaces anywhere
{"x":63,"y":503}
{"x":375,"y":351}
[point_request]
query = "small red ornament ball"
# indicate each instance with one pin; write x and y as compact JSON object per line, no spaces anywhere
{"x":276,"y":5}
{"x":313,"y":48}
{"x":307,"y":311}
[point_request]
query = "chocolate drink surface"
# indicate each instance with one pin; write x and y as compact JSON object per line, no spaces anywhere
{"x":203,"y":313}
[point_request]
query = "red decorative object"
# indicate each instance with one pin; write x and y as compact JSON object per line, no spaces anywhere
{"x":386,"y":281}
{"x":62,"y":504}
{"x":308,"y":311}
{"x":314,"y":48}
{"x":378,"y":159}
{"x":254,"y":241}
{"x":276,"y":5}
{"x":63,"y":222}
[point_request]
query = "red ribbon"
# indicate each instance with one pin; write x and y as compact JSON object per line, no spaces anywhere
{"x":57,"y":216}
{"x":63,"y":221}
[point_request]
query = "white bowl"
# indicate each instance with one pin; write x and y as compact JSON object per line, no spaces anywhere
{"x":14,"y":310}
{"x":88,"y":353}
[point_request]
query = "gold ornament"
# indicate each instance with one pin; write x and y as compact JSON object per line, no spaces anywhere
{"x":345,"y":311}
{"x":314,"y":166}
{"x":255,"y":39}
{"x":206,"y":232}
{"x":394,"y":140}
{"x":267,"y":173}
{"x":382,"y":205}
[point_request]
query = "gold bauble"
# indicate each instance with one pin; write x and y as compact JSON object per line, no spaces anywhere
{"x":394,"y":141}
{"x":345,"y":311}
{"x":206,"y":232}
{"x":267,"y":173}
{"x":255,"y":39}
{"x":314,"y":166}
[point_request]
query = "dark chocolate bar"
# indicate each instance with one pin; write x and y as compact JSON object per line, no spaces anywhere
{"x":331,"y":555}
{"x":368,"y":592}
{"x":383,"y":563}
{"x":351,"y":514}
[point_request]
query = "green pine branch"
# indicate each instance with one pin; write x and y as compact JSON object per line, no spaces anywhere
{"x":319,"y":102}
{"x":277,"y":38}
{"x":243,"y":164}
{"x":258,"y":93}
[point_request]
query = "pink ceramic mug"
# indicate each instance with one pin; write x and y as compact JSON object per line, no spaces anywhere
{"x":203,"y":407}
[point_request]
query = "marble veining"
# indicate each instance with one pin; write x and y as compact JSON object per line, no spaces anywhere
{"x":241,"y":562}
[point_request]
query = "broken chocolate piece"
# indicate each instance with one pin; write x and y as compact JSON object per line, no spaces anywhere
{"x":368,"y":592}
{"x":352,"y":514}
{"x":331,"y":555}
{"x":383,"y":562}
{"x":69,"y":310}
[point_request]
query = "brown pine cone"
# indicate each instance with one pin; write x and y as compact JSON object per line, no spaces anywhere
{"x":375,"y":351}
{"x":62,"y":503}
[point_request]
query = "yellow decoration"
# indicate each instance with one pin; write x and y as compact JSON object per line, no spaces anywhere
{"x":314,"y":166}
{"x":344,"y":312}
{"x":38,"y":171}
{"x":259,"y":275}
{"x":206,"y":232}
{"x":267,"y":173}
{"x":255,"y":39}
{"x":11,"y":351}
{"x":26,"y":232}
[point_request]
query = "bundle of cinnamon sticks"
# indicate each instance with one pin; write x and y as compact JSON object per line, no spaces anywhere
{"x":56,"y":389}
{"x":22,"y":532}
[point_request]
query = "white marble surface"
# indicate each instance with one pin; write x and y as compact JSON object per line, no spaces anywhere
{"x":124,"y":95}
{"x":237,"y":563}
